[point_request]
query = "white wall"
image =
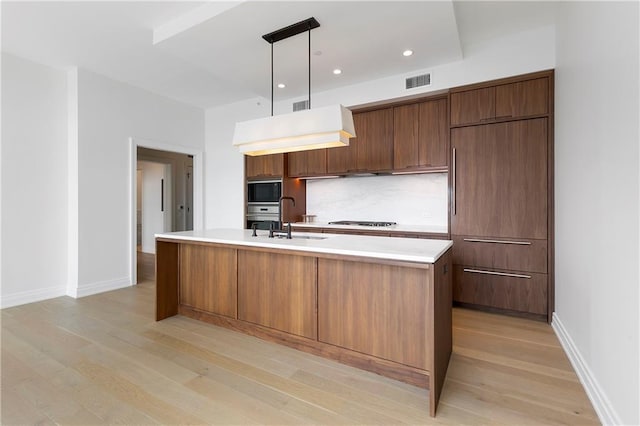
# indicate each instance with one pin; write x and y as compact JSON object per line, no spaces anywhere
{"x":417,"y":199}
{"x":597,"y":192}
{"x":109,"y":114}
{"x":521,"y":53}
{"x":34,"y":182}
{"x":224,"y":165}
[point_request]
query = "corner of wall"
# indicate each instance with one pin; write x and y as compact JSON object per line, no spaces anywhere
{"x":72,"y":182}
{"x":606,"y":413}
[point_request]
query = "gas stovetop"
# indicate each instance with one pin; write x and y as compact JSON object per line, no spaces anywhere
{"x":361,"y":223}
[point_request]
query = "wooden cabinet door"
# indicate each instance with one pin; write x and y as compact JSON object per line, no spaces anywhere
{"x":521,"y":99}
{"x":208,"y":278}
{"x":308,"y":163}
{"x":420,"y":135}
{"x":372,"y":148}
{"x":278,"y":291}
{"x":375,"y":146}
{"x":433,"y":136}
{"x":473,"y":106}
{"x":375,"y":309}
{"x":406,"y":127}
{"x":264,"y":166}
{"x":499,"y":180}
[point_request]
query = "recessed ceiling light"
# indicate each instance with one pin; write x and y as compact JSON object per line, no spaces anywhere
{"x":408,"y":52}
{"x":337,"y":71}
{"x":281,"y":86}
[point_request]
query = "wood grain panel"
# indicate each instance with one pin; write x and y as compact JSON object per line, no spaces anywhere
{"x":433,"y":137}
{"x":473,"y":106}
{"x":375,"y":309}
{"x":375,"y":149}
{"x":521,"y":99}
{"x":167,"y":279}
{"x":501,"y":180}
{"x":278,"y":291}
{"x":442,"y":342}
{"x":263,"y":166}
{"x":517,"y":294}
{"x":480,"y":251}
{"x":208,"y":279}
{"x":406,"y":126}
{"x":308,"y":163}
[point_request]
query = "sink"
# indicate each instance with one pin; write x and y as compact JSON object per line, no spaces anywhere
{"x":297,"y":237}
{"x":308,"y":237}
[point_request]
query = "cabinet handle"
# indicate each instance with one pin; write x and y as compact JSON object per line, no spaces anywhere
{"x":504,"y":116}
{"x":453,"y":172}
{"x":502,"y":274}
{"x":478,"y":240}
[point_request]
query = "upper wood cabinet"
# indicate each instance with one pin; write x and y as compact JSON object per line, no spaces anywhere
{"x":308,"y":163}
{"x":372,"y":148}
{"x":420,"y":135}
{"x":505,"y":101}
{"x":264,"y":166}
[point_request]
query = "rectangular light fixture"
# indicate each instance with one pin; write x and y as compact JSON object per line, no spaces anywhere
{"x":326,"y":127}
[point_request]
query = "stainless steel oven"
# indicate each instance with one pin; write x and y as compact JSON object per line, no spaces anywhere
{"x":262,"y":214}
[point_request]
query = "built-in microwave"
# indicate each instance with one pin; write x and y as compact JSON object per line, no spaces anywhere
{"x":264,"y":191}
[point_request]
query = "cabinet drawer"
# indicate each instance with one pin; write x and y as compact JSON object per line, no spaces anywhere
{"x":501,"y":253}
{"x":516,"y":291}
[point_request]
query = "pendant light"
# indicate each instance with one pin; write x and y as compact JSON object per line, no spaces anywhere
{"x":325,"y":127}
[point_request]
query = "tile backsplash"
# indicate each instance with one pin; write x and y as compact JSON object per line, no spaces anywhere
{"x":406,"y":199}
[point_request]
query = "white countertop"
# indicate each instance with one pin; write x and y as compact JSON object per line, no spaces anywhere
{"x":430,"y":229}
{"x":403,"y":249}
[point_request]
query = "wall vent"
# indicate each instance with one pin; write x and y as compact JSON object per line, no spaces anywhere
{"x":299,"y":106}
{"x":417,"y":81}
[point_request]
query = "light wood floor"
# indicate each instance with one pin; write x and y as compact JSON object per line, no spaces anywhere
{"x":104,"y":360}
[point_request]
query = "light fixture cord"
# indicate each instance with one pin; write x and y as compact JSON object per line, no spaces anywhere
{"x":309,"y":51}
{"x":272,"y":79}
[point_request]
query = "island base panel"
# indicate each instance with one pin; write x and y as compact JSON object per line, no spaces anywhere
{"x":393,"y":370}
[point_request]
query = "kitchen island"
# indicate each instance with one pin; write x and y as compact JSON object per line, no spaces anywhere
{"x":376,"y":303}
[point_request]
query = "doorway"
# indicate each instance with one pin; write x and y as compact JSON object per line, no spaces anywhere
{"x":166,"y":182}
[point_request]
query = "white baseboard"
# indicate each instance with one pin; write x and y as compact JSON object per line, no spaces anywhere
{"x":605,"y":411}
{"x":100,"y":287}
{"x":30,"y":296}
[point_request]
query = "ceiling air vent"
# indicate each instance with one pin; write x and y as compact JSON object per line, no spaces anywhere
{"x":417,"y":81}
{"x":299,"y":106}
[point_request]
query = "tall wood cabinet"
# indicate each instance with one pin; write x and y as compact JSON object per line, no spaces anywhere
{"x":502,"y":195}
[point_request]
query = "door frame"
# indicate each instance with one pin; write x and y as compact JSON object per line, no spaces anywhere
{"x":198,"y":187}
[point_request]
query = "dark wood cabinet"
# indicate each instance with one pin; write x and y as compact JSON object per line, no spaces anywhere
{"x":522,"y":99}
{"x":420,"y":135}
{"x":369,"y":314}
{"x":278,"y":291}
{"x":264,"y":166}
{"x":308,"y":163}
{"x":516,"y":291}
{"x":518,"y":99}
{"x":372,"y":148}
{"x":473,"y":106}
{"x":499,"y":182}
{"x":208,"y":278}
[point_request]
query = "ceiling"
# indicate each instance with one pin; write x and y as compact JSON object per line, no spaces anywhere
{"x":211,"y":53}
